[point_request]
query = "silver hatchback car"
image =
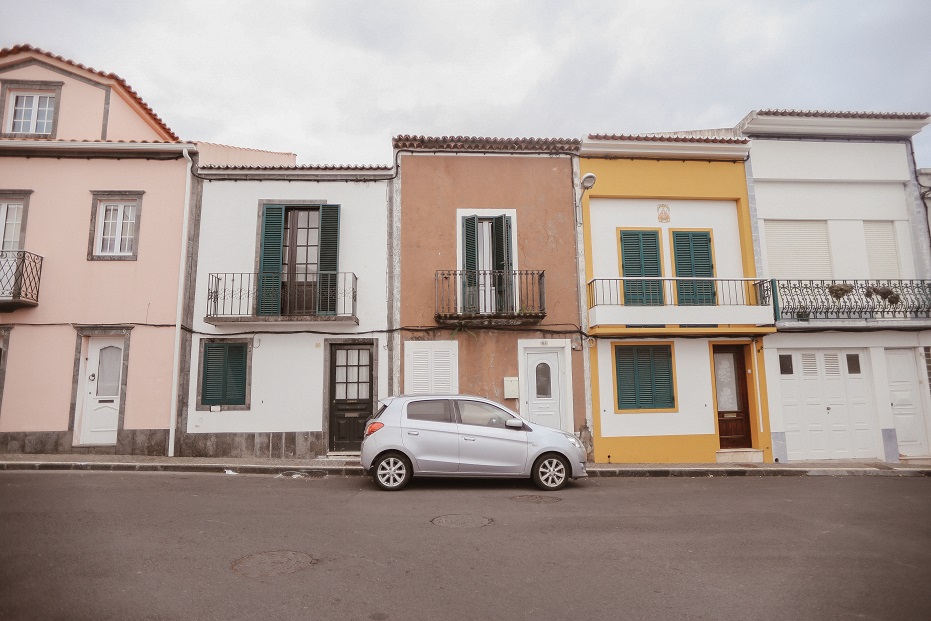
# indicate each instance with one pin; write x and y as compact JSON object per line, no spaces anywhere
{"x":460,"y":435}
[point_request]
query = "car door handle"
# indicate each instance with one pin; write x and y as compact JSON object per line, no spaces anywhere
{"x":468,"y":438}
{"x":413,"y":433}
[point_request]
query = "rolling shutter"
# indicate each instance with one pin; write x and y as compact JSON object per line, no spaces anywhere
{"x":692,"y":252}
{"x":224,"y":380}
{"x":798,"y":249}
{"x":881,"y":250}
{"x":640,"y":256}
{"x":269,"y":281}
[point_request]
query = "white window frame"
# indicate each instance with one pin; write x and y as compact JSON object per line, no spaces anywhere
{"x":121,"y":200}
{"x":486,"y":214}
{"x":31,"y":129}
{"x":17,"y":243}
{"x":11,"y":89}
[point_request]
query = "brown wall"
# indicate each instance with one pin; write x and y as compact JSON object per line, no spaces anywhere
{"x":540,"y":189}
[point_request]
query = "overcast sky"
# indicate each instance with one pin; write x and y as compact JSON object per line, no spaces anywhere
{"x":333,"y":81}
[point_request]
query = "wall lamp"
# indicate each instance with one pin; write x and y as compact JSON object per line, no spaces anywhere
{"x":588,"y":180}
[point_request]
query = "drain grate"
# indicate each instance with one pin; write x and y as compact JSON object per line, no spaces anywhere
{"x":274,"y":563}
{"x":536,"y":499}
{"x":462,"y":521}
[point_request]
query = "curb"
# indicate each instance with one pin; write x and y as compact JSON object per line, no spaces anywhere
{"x":319,"y":471}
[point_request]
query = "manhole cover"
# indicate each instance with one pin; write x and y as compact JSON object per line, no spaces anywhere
{"x":536,"y":499}
{"x":462,"y":521}
{"x":272,"y":563}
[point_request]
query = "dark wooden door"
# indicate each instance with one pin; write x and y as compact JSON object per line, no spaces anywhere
{"x":730,"y":383}
{"x":351,"y":398}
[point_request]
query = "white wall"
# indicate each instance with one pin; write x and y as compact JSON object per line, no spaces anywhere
{"x":838,"y":160}
{"x":607,"y":214}
{"x":288,"y":369}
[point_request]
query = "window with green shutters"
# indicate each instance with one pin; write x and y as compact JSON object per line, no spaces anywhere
{"x":692,"y":253}
{"x":644,"y":377}
{"x":271,"y":279}
{"x":479,"y":279}
{"x":224,"y":373}
{"x":640,"y":257}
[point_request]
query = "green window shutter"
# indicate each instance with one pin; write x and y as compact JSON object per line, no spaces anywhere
{"x":644,"y":377}
{"x":640,"y":256}
{"x":470,"y":264}
{"x":503,"y":261}
{"x":224,"y":374}
{"x":328,"y":275}
{"x":692,"y":252}
{"x":269,"y":280}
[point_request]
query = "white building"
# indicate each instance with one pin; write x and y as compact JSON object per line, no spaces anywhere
{"x":843,"y":233}
{"x":288,"y":352}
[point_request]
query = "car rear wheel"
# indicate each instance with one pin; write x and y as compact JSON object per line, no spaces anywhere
{"x":391,"y":471}
{"x":551,"y":472}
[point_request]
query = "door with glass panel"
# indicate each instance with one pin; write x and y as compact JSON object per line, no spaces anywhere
{"x":351,"y":394}
{"x":544,"y":388}
{"x":300,"y":261}
{"x":101,"y":383}
{"x":730,"y":385}
{"x":11,"y":219}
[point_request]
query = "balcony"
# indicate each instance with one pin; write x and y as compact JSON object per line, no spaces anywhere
{"x":812,"y":304}
{"x":20,"y":272}
{"x":271,"y":296}
{"x":490,"y":297}
{"x":645,"y":302}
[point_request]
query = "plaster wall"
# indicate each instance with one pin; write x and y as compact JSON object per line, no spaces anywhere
{"x":435,"y":191}
{"x":812,"y":160}
{"x":38,"y":384}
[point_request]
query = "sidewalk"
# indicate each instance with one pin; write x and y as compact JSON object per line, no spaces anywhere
{"x":350,"y":467}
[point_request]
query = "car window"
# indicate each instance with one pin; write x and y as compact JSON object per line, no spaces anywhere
{"x":384,"y":406}
{"x":482,"y":414}
{"x":433,"y":410}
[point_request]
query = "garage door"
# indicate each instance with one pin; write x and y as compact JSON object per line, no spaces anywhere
{"x":826,"y":404}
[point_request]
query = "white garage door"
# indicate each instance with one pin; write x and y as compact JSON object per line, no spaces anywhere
{"x":826,"y":404}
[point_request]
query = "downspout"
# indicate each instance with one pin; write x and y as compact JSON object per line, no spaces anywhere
{"x":179,"y":316}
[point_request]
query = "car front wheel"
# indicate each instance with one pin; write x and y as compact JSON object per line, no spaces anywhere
{"x":391,"y":471}
{"x":551,"y":472}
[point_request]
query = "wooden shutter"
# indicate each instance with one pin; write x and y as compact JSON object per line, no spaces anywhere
{"x":640,"y":257}
{"x":224,"y":379}
{"x":328,"y":270}
{"x":881,"y":250}
{"x":269,"y":278}
{"x":503,"y":262}
{"x":692,"y":253}
{"x":644,"y":377}
{"x":798,"y":249}
{"x":470,"y":264}
{"x":431,"y":367}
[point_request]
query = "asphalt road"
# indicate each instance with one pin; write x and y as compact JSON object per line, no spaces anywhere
{"x":99,"y":545}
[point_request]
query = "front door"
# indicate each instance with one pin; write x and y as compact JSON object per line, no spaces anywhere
{"x":544,"y":394}
{"x":351,"y":396}
{"x":730,"y":385}
{"x":101,"y":385}
{"x":906,"y":403}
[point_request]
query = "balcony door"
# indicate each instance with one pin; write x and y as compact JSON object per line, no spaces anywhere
{"x":11,"y":219}
{"x":300,"y":261}
{"x":487,"y":284}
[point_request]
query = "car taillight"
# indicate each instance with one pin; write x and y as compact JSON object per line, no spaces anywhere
{"x":372,"y":427}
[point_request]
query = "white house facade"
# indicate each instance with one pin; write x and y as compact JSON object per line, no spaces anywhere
{"x":844,"y":237}
{"x":288,"y":349}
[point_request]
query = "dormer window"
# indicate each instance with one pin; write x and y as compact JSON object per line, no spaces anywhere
{"x":30,"y":109}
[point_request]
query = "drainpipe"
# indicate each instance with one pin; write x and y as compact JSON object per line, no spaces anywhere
{"x":179,"y":316}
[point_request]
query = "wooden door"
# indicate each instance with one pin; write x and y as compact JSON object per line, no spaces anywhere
{"x":730,"y":384}
{"x":351,"y":398}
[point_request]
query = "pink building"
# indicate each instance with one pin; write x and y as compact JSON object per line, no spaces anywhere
{"x":93,"y":197}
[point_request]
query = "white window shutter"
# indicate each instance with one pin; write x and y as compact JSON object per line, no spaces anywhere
{"x":798,"y":249}
{"x":881,"y":250}
{"x":431,"y":367}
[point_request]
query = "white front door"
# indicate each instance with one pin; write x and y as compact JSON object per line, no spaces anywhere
{"x":544,"y":388}
{"x":906,"y":403}
{"x":101,"y":385}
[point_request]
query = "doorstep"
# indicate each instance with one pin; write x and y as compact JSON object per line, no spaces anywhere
{"x":739,"y":456}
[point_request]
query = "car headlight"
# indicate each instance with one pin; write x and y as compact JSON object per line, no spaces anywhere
{"x":573,"y":440}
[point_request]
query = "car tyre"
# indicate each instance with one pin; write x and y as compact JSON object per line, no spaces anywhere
{"x":551,"y":472}
{"x":391,"y":471}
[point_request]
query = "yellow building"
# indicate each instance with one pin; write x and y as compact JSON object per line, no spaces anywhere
{"x":675,"y":309}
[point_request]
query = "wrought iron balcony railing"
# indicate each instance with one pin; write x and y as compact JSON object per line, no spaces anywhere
{"x":481,"y":295}
{"x":642,"y":301}
{"x":803,"y":300}
{"x":20,"y":273}
{"x":267,"y":295}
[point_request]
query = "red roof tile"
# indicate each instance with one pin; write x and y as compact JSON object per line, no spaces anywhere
{"x":478,"y":144}
{"x":17,"y":49}
{"x":846,"y":114}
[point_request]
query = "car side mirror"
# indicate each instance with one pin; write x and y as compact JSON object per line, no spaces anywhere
{"x":514,"y":423}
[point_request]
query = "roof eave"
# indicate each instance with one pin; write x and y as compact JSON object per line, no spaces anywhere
{"x":760,"y":125}
{"x":665,"y":150}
